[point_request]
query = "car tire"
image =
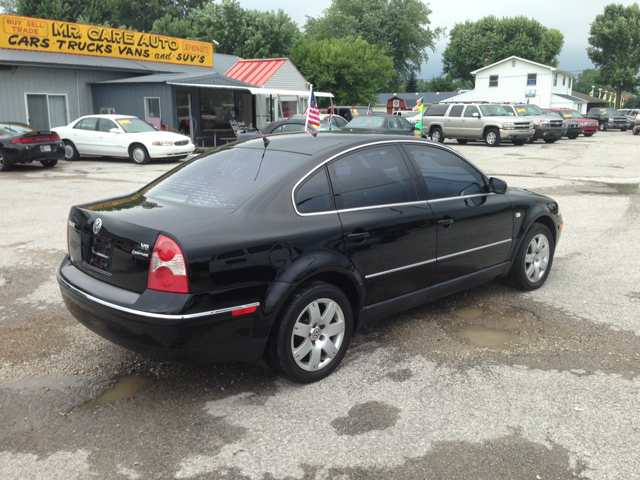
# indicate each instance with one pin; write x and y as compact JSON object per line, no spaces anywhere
{"x":603,"y":127}
{"x":588,"y":134}
{"x":70,"y":151}
{"x":49,"y":163}
{"x":314,"y":308}
{"x":519,"y":143}
{"x":533,"y":261}
{"x":436,"y":135}
{"x":492,"y":137}
{"x":5,"y":166}
{"x":550,"y":140}
{"x":572,"y":137}
{"x":636,"y":131}
{"x":139,"y":154}
{"x":531,"y":140}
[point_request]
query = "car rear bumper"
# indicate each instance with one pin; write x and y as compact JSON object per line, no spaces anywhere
{"x":116,"y":315}
{"x":26,"y":153}
{"x":589,"y":129}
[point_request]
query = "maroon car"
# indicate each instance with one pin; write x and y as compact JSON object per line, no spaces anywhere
{"x":589,"y":125}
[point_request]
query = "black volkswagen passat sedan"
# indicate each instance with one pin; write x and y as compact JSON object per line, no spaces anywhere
{"x":285,"y":250}
{"x":20,"y":143}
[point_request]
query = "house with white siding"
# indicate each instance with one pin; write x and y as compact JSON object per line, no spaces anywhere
{"x":516,"y":79}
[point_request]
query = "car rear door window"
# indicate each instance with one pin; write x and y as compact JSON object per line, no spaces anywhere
{"x":437,"y":110}
{"x":87,"y":124}
{"x":314,"y":195}
{"x":372,"y":177}
{"x":456,"y":111}
{"x":445,"y":174}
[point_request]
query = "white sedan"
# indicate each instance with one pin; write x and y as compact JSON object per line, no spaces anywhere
{"x":121,"y":136}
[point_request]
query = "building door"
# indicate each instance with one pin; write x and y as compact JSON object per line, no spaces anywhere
{"x":152,"y":111}
{"x":46,"y":111}
{"x":183,"y":108}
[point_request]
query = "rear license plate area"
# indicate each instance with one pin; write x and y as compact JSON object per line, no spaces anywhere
{"x":99,"y":255}
{"x":45,"y":148}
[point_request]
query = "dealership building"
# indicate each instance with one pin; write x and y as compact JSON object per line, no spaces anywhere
{"x":54,"y":72}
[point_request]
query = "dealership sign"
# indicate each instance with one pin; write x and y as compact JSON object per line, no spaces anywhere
{"x":38,"y":35}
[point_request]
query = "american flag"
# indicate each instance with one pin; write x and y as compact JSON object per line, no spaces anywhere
{"x":312,"y":124}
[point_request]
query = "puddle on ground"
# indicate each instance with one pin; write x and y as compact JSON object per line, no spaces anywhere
{"x":125,"y":387}
{"x":486,"y":328}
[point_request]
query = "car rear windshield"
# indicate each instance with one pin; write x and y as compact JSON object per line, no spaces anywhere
{"x":493,"y":111}
{"x":224,"y":178}
{"x":15,"y":129}
{"x":366,"y":121}
{"x":134,"y":125}
{"x":611,"y":111}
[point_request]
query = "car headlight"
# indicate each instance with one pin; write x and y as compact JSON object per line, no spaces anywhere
{"x":610,"y":120}
{"x":508,"y":124}
{"x":162,"y":144}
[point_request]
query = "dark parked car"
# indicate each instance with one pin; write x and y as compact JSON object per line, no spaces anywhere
{"x":574,"y":128}
{"x":285,"y":250}
{"x":20,"y":143}
{"x":293,"y":124}
{"x":608,"y":118}
{"x":381,"y":124}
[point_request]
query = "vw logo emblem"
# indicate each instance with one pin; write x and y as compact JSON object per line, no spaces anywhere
{"x":97,"y":225}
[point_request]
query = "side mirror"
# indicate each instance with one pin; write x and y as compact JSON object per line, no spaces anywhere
{"x":497,"y":186}
{"x":475,"y":115}
{"x":114,"y":130}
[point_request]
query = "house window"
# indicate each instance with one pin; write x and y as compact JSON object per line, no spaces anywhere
{"x":564,"y":79}
{"x":513,"y":63}
{"x":570,"y":83}
{"x":531,"y":78}
{"x":493,"y":80}
{"x":555,"y":79}
{"x":46,"y":110}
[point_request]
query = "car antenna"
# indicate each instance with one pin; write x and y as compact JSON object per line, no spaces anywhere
{"x":266,"y":142}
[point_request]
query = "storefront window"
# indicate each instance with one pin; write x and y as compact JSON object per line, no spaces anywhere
{"x":215,"y":108}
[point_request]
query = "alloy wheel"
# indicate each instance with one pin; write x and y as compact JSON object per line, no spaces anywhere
{"x":536,"y":259}
{"x":318,"y":334}
{"x":491,"y":138}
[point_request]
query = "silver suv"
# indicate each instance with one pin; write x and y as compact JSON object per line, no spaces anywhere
{"x":548,"y":127}
{"x":466,"y":122}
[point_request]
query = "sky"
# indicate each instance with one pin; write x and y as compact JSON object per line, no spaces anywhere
{"x":573,"y":19}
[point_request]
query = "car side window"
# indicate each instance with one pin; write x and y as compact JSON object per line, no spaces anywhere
{"x":404,"y":124}
{"x":470,"y":111}
{"x":289,"y":127}
{"x":314,"y":194}
{"x":445,"y":174}
{"x":338,"y":121}
{"x":87,"y":124}
{"x":456,"y":111}
{"x":104,"y":125}
{"x":371,"y":177}
{"x":394,"y":123}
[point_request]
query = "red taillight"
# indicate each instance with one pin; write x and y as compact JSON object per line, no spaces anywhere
{"x":168,"y":269}
{"x":244,"y":311}
{"x":37,"y":139}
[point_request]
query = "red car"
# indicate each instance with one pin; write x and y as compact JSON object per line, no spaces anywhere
{"x":589,"y":126}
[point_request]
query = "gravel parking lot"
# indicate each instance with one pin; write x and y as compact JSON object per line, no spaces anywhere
{"x":491,"y":383}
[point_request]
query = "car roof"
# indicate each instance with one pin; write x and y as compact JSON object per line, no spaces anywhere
{"x":305,"y":143}
{"x":109,"y":116}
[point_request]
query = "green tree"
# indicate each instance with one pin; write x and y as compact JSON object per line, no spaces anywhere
{"x":354,"y":71}
{"x":470,"y":43}
{"x":172,"y":27}
{"x":400,"y":27}
{"x":443,"y":84}
{"x":633,"y":102}
{"x":614,"y":40}
{"x":587,"y":81}
{"x":412,"y":83}
{"x":246,"y":33}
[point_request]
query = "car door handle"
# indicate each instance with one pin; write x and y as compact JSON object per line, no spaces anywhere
{"x":445,"y":222}
{"x":358,"y":236}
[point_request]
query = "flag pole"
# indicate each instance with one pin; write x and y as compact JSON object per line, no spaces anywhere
{"x":306,"y":120}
